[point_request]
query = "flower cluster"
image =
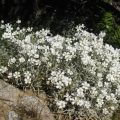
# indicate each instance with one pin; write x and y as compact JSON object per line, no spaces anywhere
{"x":59,"y":79}
{"x":83,"y":71}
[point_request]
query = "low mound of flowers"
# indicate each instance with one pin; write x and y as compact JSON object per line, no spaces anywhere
{"x":81,"y":72}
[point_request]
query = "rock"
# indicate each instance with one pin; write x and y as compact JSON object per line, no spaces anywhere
{"x":8,"y":93}
{"x":19,"y":100}
{"x":35,"y":106}
{"x":13,"y":116}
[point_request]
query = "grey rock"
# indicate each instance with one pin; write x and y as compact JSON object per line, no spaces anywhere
{"x":23,"y":101}
{"x":13,"y":116}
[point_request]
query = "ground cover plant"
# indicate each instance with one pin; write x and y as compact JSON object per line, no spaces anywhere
{"x":79,"y":72}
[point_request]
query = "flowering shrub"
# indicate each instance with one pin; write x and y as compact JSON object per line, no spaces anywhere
{"x":82,"y":72}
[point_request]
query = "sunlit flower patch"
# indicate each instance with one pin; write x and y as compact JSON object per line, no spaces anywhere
{"x":81,"y":71}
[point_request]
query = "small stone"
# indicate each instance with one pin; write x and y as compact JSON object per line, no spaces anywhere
{"x":13,"y":116}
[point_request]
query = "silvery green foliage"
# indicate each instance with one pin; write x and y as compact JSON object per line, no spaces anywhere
{"x":82,"y":71}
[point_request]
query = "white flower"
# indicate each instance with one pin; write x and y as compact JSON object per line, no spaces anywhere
{"x":85,"y":85}
{"x":102,"y":34}
{"x":29,"y":29}
{"x":27,"y":74}
{"x":87,"y":104}
{"x":3,"y":69}
{"x":100,"y":84}
{"x":99,"y":75}
{"x":36,"y":56}
{"x":106,"y":84}
{"x":37,"y":62}
{"x":108,"y":97}
{"x":2,"y":21}
{"x":12,"y":60}
{"x":85,"y":59}
{"x":27,"y":77}
{"x":2,"y":26}
{"x":53,"y":73}
{"x":59,"y":85}
{"x":94,"y":91}
{"x":105,"y":111}
{"x":100,"y":102}
{"x":32,"y":52}
{"x":10,"y":75}
{"x":69,"y":72}
{"x":27,"y":80}
{"x":67,"y":97}
{"x":18,"y":28}
{"x":66,"y":80}
{"x":18,"y":21}
{"x":110,"y":78}
{"x":59,"y":79}
{"x":80,"y":92}
{"x":22,"y":59}
{"x":61,"y":104}
{"x":80,"y":27}
{"x":80,"y":102}
{"x":104,"y":92}
{"x":112,"y":108}
{"x":31,"y":60}
{"x":28,"y":39}
{"x":16,"y":75}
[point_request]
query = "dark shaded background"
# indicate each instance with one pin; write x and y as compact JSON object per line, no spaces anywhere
{"x":58,"y":15}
